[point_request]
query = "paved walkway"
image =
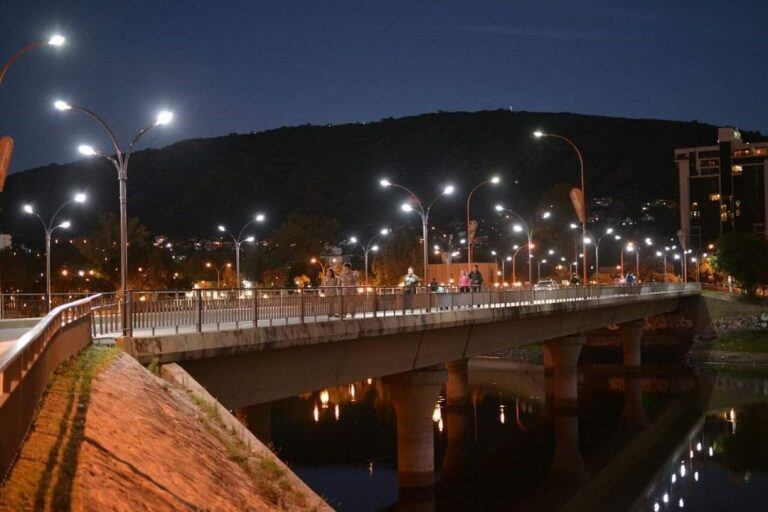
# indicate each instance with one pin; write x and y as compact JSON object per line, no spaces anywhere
{"x":8,"y":336}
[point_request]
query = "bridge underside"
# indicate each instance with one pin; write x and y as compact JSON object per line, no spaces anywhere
{"x":253,"y":366}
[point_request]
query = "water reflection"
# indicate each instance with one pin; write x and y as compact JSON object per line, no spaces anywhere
{"x":506,"y":447}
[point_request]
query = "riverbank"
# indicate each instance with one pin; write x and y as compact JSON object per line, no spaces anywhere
{"x":110,"y":435}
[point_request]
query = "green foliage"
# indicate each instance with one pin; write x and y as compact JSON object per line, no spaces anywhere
{"x":295,"y":243}
{"x":745,"y":257}
{"x":401,"y":250}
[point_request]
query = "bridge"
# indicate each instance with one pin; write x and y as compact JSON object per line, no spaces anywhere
{"x":252,"y":346}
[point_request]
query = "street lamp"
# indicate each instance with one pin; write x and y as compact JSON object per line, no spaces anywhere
{"x":238,"y":240}
{"x":49,"y":227}
{"x":120,"y":161}
{"x":539,"y":134}
{"x":517,"y":249}
{"x":369,"y":247}
{"x":218,"y":270}
{"x":471,"y":236}
{"x":423,"y":213}
{"x":607,"y":232}
{"x":519,"y":228}
{"x":54,"y":40}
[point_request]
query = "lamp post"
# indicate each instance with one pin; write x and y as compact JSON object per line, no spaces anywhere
{"x":218,"y":270}
{"x":319,"y":262}
{"x":54,"y":40}
{"x":369,"y":247}
{"x":423,"y":213}
{"x":120,"y":161}
{"x":523,"y":226}
{"x":539,"y":134}
{"x":517,"y":249}
{"x":608,"y":231}
{"x":470,"y":236}
{"x":49,"y":227}
{"x":238,"y":241}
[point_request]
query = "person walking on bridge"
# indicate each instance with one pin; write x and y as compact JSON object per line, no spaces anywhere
{"x":349,"y":281}
{"x":330,"y":287}
{"x":476,"y":279}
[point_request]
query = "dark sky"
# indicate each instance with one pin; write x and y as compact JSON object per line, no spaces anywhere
{"x":237,"y":66}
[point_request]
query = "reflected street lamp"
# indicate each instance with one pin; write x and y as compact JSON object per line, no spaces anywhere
{"x":120,"y":161}
{"x":49,"y":227}
{"x":238,"y":241}
{"x":423,"y":213}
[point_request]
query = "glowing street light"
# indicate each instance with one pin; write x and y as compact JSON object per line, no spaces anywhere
{"x":423,"y":213}
{"x":120,"y":161}
{"x":495,"y":180}
{"x":238,"y":240}
{"x":519,"y":227}
{"x":49,"y":228}
{"x":55,"y":40}
{"x":583,"y":217}
{"x":218,"y":270}
{"x":369,"y":247}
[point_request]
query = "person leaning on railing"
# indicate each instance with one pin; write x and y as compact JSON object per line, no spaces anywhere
{"x":330,"y":287}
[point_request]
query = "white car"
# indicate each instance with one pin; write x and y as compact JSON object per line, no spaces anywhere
{"x":546,"y":284}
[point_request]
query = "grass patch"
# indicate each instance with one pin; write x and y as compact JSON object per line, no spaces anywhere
{"x":43,"y":476}
{"x":754,"y":342}
{"x":154,"y":366}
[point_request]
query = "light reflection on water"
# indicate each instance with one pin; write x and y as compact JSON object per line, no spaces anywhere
{"x":497,"y":453}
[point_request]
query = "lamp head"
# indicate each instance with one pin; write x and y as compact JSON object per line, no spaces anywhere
{"x":617,"y":237}
{"x":222,"y":228}
{"x":406,"y":207}
{"x":547,"y":214}
{"x":648,"y":241}
{"x":375,"y":248}
{"x":517,"y":228}
{"x":509,"y":258}
{"x":57,"y":40}
{"x":353,"y":239}
{"x":448,"y":190}
{"x":66,"y":224}
{"x":86,"y":150}
{"x":28,"y":208}
{"x":208,"y":264}
{"x":384,"y":231}
{"x":538,"y":134}
{"x":495,"y":180}
{"x":250,"y":239}
{"x":164,"y":117}
{"x":260,"y":217}
{"x":62,"y":105}
{"x":499,"y":208}
{"x":574,"y":225}
{"x":609,"y":231}
{"x":384,"y":182}
{"x":551,"y":252}
{"x":313,"y":260}
{"x":587,"y":240}
{"x":80,"y":197}
{"x":229,"y":265}
{"x":493,"y":253}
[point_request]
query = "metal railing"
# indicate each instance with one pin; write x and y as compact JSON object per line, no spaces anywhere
{"x":27,"y":364}
{"x":197,"y":310}
{"x":32,"y":305}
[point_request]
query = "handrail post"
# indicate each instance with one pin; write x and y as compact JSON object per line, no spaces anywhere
{"x":129,"y":316}
{"x":404,"y":294}
{"x":255,"y":307}
{"x":199,"y":294}
{"x":375,"y":303}
{"x":301,"y":304}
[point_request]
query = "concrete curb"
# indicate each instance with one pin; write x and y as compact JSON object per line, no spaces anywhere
{"x":176,"y":374}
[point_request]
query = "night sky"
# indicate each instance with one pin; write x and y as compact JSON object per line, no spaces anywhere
{"x":238,"y":66}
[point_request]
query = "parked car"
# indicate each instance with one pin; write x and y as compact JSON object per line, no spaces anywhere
{"x":546,"y":284}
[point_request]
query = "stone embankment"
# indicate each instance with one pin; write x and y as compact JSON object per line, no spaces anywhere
{"x":110,"y":435}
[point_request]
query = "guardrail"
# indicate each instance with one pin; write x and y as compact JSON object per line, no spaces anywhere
{"x":32,"y":305}
{"x":197,"y":310}
{"x":27,"y":364}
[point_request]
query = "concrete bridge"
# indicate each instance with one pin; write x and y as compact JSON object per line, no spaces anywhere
{"x":417,"y":351}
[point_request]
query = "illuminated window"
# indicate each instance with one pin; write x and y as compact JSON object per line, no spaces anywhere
{"x":714,"y":196}
{"x":736,"y":169}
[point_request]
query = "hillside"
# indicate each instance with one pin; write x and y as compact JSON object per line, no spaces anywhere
{"x":190,"y":186}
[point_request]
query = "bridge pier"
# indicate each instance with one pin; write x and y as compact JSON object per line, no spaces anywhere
{"x":562,"y":355}
{"x":631,"y":340}
{"x":633,"y":413}
{"x":414,"y":395}
{"x":457,"y":417}
{"x":457,"y":384}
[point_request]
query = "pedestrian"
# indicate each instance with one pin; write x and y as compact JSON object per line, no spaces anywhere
{"x":575,"y":279}
{"x":411,"y":280}
{"x":464,"y":282}
{"x":349,"y":280}
{"x":330,"y":287}
{"x":434,"y":285}
{"x":630,"y":279}
{"x":475,"y":279}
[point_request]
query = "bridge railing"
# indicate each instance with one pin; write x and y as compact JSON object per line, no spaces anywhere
{"x":27,"y":364}
{"x":197,"y":310}
{"x":32,"y":305}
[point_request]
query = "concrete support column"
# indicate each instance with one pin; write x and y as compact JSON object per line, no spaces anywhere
{"x":631,"y":339}
{"x":564,"y":353}
{"x":258,"y":419}
{"x":548,"y":412}
{"x":457,"y":385}
{"x":414,"y":395}
{"x":633,"y":414}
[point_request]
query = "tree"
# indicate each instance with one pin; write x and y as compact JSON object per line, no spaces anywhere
{"x":745,"y":257}
{"x":402,"y":250}
{"x":295,"y":242}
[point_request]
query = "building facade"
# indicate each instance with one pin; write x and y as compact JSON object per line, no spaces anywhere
{"x":723,"y":189}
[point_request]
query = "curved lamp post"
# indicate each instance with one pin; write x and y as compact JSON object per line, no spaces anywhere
{"x":519,"y":228}
{"x":218,"y":270}
{"x":423,"y":213}
{"x":54,"y":40}
{"x":471,"y":239}
{"x":120,"y":161}
{"x":238,"y":240}
{"x":539,"y":134}
{"x":608,"y":232}
{"x":49,"y":228}
{"x":368,"y":247}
